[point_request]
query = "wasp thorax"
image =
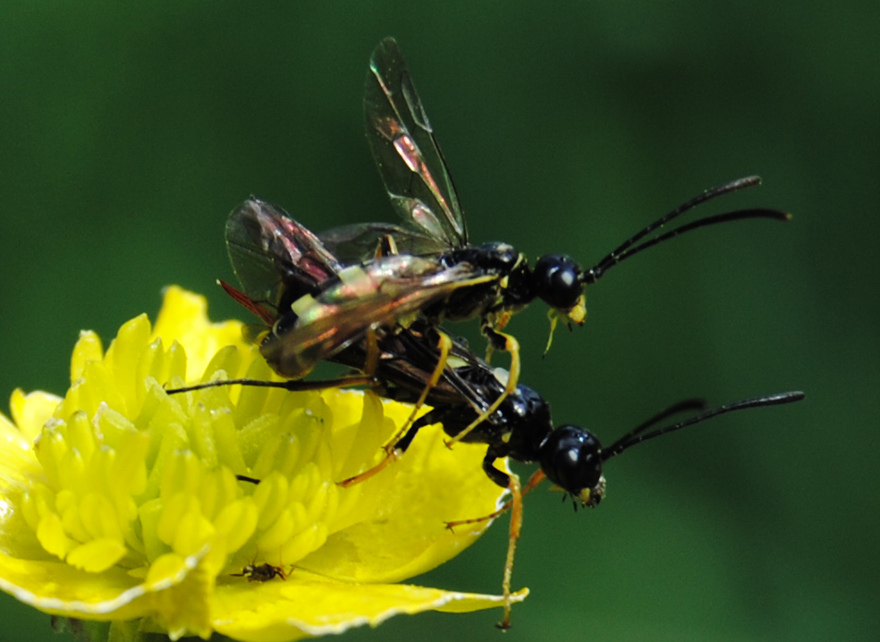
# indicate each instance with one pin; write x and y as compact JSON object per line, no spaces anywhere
{"x":558,"y":281}
{"x":571,"y":457}
{"x":499,"y":256}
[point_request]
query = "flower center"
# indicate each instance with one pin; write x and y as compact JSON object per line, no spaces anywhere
{"x":138,"y":478}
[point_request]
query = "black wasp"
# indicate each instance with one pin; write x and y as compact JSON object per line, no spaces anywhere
{"x":519,"y":428}
{"x":464,"y":390}
{"x":374,"y":278}
{"x":373,"y":296}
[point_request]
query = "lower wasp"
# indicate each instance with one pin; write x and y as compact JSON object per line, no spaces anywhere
{"x":462,"y":388}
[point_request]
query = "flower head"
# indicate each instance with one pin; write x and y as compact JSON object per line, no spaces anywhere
{"x":121,"y":502}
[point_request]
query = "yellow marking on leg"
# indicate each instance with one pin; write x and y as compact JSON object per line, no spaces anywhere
{"x":497,"y":324}
{"x":516,"y":517}
{"x":386,"y":246}
{"x":390,"y":457}
{"x":512,"y":346}
{"x":534,"y":480}
{"x":503,"y":320}
{"x":371,"y":362}
{"x":554,"y":319}
{"x":392,"y":454}
{"x":444,"y":344}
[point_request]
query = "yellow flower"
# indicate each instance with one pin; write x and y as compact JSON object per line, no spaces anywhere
{"x":121,"y":503}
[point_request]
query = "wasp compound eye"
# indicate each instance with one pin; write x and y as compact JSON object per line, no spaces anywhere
{"x":558,"y":281}
{"x":571,"y":459}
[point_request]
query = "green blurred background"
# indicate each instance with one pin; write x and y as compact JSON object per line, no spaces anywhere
{"x":128,"y":133}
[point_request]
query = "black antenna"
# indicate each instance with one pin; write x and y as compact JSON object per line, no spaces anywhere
{"x":635,"y":437}
{"x":688,"y":405}
{"x":291,"y":385}
{"x":629,"y":248}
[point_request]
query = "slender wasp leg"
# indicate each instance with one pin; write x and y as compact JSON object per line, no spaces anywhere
{"x":391,"y":456}
{"x":509,"y":344}
{"x":399,"y":448}
{"x":511,"y":482}
{"x":444,"y":344}
{"x":537,"y":477}
{"x":516,"y":517}
{"x":396,"y":447}
{"x":401,"y":440}
{"x":386,"y":246}
{"x":371,"y":363}
{"x":497,"y":325}
{"x":553,"y":315}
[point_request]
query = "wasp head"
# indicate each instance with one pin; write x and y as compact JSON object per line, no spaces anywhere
{"x":571,"y":457}
{"x":559,"y":283}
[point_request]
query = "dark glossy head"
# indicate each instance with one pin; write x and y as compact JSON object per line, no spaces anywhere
{"x":571,"y":457}
{"x":559,"y":283}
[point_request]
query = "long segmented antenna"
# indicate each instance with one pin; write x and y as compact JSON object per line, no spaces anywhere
{"x":629,"y":248}
{"x":636,"y":437}
{"x":688,"y":405}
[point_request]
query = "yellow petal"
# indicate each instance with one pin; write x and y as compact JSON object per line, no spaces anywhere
{"x":31,"y":411}
{"x":124,"y":502}
{"x":59,"y":588}
{"x":98,"y":555}
{"x":305,"y":606}
{"x":88,"y":348}
{"x":407,"y":535}
{"x":184,"y":318}
{"x":51,"y":534}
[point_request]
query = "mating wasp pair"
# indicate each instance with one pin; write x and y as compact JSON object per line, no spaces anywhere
{"x":373,"y":297}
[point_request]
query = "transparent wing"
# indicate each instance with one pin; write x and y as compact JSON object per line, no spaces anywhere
{"x":357,"y":243}
{"x":376,"y":296}
{"x":406,"y":152}
{"x":417,"y":356}
{"x":407,"y":359}
{"x":276,"y":259}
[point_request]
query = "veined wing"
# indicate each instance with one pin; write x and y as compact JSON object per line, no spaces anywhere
{"x":417,"y":353}
{"x":375,"y":297}
{"x":276,"y":259}
{"x":407,"y":359}
{"x":406,"y":151}
{"x":357,"y":243}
